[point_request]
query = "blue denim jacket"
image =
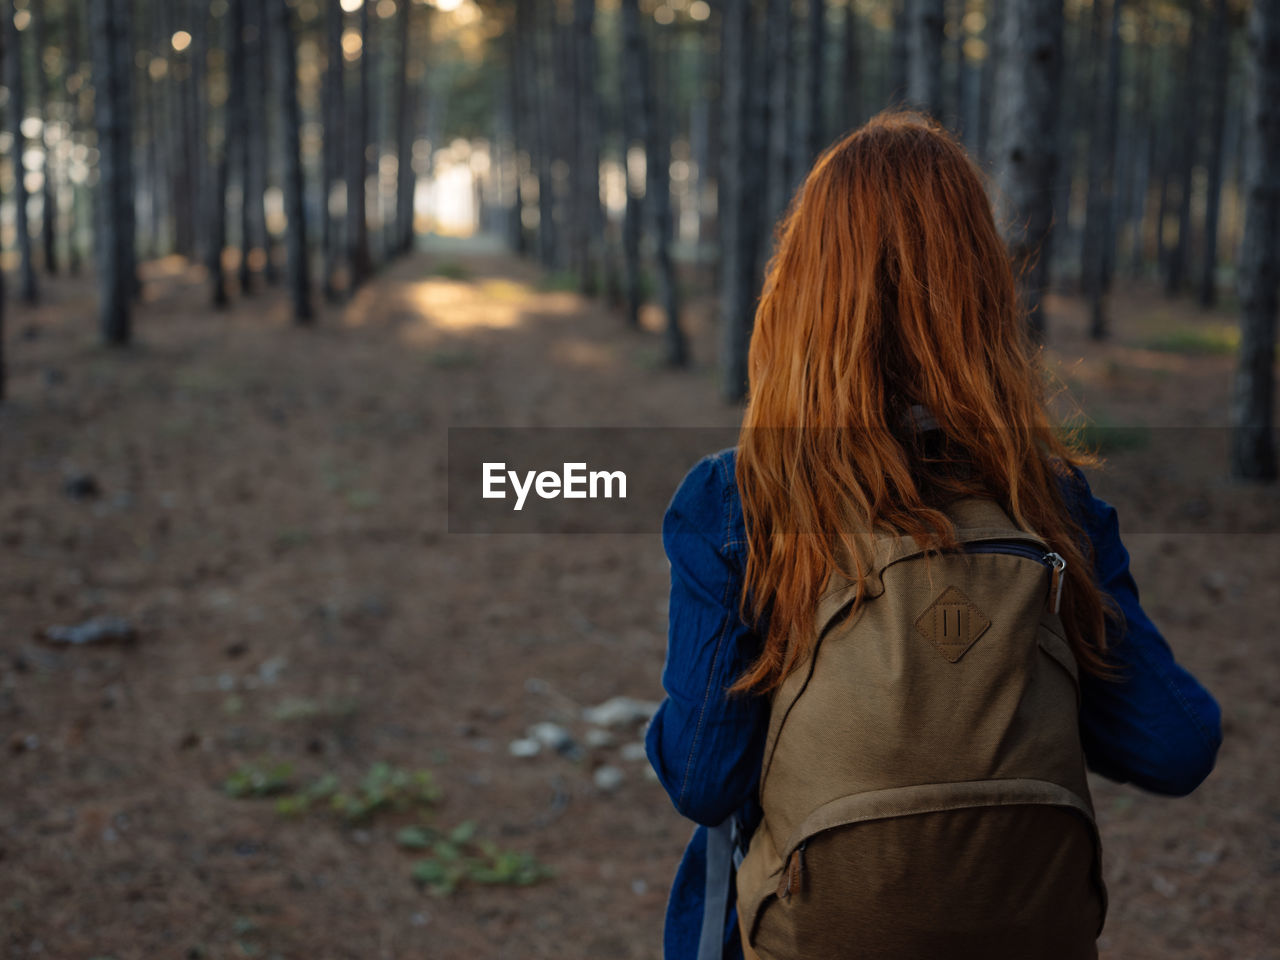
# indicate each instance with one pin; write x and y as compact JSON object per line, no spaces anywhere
{"x":1158,"y":729}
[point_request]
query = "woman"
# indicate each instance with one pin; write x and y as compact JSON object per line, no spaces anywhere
{"x":890,"y":378}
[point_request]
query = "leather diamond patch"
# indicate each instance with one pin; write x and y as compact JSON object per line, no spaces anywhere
{"x":952,"y":623}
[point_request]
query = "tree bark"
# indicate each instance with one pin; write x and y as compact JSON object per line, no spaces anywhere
{"x":256,"y":57}
{"x":1028,"y":91}
{"x":45,"y":87}
{"x":924,"y":59}
{"x":591,"y":226}
{"x":899,"y":53}
{"x":406,"y":111}
{"x":107,"y":25}
{"x":657,"y":97}
{"x":634,"y":123}
{"x":238,"y":132}
{"x":518,"y":109}
{"x":991,"y":33}
{"x":1100,"y":203}
{"x":27,"y":289}
{"x":814,"y":133}
{"x":1219,"y":72}
{"x":218,"y":169}
{"x":1188,"y":126}
{"x":738,"y":242}
{"x":334,"y":95}
{"x":291,"y":124}
{"x":358,"y":135}
{"x":81,"y":118}
{"x":1254,"y":441}
{"x":541,"y":21}
{"x":851,"y":69}
{"x":779,"y":19}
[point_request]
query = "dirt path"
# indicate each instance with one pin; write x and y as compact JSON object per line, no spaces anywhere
{"x":271,"y":516}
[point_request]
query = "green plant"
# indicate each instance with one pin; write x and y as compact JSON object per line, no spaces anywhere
{"x":384,"y":787}
{"x":452,"y":358}
{"x":560,"y":281}
{"x":452,"y":270}
{"x":458,"y":857}
{"x":259,"y":780}
{"x":1211,"y":339}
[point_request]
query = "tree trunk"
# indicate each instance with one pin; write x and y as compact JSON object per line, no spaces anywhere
{"x":1188,"y":126}
{"x":778,"y":179}
{"x":657,"y":100}
{"x":1079,"y":45}
{"x":850,"y":69}
{"x":591,"y":226}
{"x":359,"y":261}
{"x":542,"y":83}
{"x":45,"y":87}
{"x":518,"y":109}
{"x":814,"y":134}
{"x":737,"y":240}
{"x":108,"y":27}
{"x":1143,"y":146}
{"x":924,"y":59}
{"x":81,"y":116}
{"x":1254,"y":442}
{"x":27,"y":290}
{"x":198,"y":100}
{"x":899,"y":53}
{"x":991,"y":33}
{"x":634,"y":132}
{"x":1219,"y":72}
{"x":334,"y":94}
{"x":1028,"y":91}
{"x":218,"y":142}
{"x":3,"y":362}
{"x":124,"y":49}
{"x":1100,"y":204}
{"x":256,"y":57}
{"x":238,"y":132}
{"x":291,"y":124}
{"x":406,"y":111}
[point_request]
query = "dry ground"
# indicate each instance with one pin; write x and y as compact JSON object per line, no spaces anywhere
{"x":271,"y":516}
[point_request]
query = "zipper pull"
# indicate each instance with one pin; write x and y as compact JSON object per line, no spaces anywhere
{"x":1057,"y":579}
{"x":791,"y":877}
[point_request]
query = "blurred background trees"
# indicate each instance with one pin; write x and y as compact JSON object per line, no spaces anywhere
{"x":630,"y":144}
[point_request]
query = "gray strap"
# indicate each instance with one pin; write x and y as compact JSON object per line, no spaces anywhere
{"x":715,"y":910}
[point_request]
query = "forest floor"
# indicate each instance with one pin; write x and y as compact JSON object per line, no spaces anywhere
{"x":267,"y":507}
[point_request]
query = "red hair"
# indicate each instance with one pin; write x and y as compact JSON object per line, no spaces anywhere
{"x":889,"y":288}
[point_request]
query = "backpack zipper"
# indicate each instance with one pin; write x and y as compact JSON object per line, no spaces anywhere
{"x":1020,"y":548}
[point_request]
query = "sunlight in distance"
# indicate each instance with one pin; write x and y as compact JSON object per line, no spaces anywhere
{"x":351,"y":6}
{"x":181,"y":40}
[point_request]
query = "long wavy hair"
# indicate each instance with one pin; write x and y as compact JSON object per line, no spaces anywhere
{"x":890,"y":289}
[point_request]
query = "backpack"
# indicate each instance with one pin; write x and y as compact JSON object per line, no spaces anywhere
{"x":923,"y":783}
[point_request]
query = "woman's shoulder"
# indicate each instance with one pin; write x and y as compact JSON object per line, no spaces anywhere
{"x":706,"y":502}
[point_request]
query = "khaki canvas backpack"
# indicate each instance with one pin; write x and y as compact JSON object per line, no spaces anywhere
{"x":923,"y":785}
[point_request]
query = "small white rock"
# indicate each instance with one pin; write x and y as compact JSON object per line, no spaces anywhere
{"x":524,"y":748}
{"x":551,"y":735}
{"x":620,"y":712}
{"x":634,"y":752}
{"x":608,"y":778}
{"x":597,"y":738}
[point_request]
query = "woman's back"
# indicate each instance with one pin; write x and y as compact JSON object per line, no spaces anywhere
{"x":890,"y":296}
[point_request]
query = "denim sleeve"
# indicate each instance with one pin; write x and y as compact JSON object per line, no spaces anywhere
{"x":704,"y":744}
{"x":1156,"y":728}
